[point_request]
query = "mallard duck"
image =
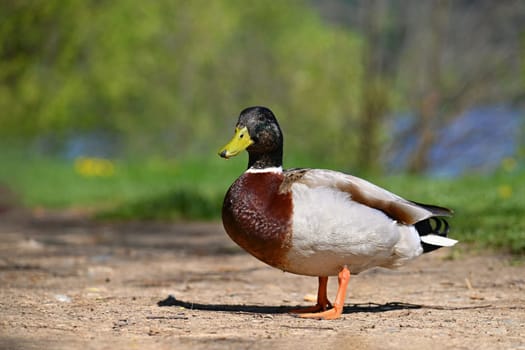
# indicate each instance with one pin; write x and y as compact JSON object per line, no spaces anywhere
{"x":318,"y":222}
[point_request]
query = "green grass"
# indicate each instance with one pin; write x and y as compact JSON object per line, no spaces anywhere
{"x":489,"y":210}
{"x":54,"y":183}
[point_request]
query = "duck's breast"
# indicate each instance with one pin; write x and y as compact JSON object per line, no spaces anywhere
{"x":258,"y":217}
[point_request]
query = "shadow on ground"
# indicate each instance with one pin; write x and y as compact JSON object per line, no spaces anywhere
{"x":354,"y":308}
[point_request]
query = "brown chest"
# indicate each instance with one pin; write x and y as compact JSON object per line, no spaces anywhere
{"x":258,"y":217}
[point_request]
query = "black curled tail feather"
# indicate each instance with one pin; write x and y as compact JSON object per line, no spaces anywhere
{"x":433,"y":225}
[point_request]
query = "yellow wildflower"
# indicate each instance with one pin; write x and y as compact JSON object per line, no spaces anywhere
{"x":92,"y":166}
{"x":505,"y":191}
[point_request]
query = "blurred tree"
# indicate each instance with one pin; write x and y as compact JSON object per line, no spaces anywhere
{"x":375,"y":82}
{"x":470,"y":57}
{"x":169,"y":76}
{"x":445,"y":57}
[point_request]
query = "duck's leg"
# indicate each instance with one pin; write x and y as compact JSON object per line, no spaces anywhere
{"x":322,"y":300}
{"x":335,"y":312}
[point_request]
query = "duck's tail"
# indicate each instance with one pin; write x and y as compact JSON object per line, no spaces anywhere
{"x":433,"y":234}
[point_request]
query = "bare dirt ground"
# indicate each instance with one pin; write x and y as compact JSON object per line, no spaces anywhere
{"x":69,"y":283}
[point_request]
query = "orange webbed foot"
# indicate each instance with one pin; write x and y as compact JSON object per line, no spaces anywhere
{"x":323,"y":303}
{"x":320,"y":311}
{"x":331,"y":314}
{"x":310,"y":309}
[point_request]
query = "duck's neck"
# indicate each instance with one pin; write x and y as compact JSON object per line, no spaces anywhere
{"x":265,"y":160}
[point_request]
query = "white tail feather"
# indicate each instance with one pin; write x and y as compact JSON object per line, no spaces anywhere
{"x":438,"y":240}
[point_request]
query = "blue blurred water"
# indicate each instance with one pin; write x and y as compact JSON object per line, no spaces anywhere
{"x":476,"y":141}
{"x":98,"y":143}
{"x":94,"y":144}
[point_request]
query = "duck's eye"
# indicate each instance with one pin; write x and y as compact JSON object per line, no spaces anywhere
{"x":241,"y":136}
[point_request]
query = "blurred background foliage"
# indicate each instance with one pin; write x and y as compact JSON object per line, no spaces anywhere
{"x":169,"y":77}
{"x":121,"y":105}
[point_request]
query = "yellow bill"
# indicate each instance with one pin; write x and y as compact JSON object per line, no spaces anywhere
{"x":240,"y":141}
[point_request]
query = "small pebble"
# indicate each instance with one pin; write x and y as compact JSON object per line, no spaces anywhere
{"x":62,"y":298}
{"x":310,"y":297}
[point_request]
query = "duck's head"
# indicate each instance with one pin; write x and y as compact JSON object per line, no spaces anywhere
{"x":258,"y":132}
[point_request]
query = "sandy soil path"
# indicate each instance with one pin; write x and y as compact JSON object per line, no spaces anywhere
{"x":67,"y":283}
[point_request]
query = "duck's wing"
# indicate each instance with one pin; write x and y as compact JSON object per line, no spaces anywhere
{"x":364,"y":192}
